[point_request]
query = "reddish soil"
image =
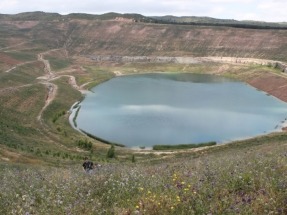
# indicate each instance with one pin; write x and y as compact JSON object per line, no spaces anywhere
{"x":21,"y":24}
{"x":273,"y":84}
{"x":8,"y":60}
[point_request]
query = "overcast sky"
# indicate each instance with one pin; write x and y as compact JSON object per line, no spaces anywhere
{"x":263,"y":10}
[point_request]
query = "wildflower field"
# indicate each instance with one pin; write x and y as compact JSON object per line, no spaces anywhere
{"x":248,"y":177}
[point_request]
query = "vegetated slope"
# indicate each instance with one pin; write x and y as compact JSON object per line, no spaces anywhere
{"x":246,"y":178}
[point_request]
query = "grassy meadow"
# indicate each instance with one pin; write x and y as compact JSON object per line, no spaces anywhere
{"x":245,"y":179}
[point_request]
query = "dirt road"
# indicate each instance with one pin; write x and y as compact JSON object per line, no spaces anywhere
{"x":51,"y":76}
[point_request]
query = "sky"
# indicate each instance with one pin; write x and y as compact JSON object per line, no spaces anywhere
{"x":259,"y":10}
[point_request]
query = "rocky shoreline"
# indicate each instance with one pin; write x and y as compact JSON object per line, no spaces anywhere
{"x":187,"y":60}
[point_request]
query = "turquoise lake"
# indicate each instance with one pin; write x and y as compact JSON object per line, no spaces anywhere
{"x":164,"y":108}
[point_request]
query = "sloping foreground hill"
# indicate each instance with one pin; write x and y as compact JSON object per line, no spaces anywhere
{"x":246,"y":178}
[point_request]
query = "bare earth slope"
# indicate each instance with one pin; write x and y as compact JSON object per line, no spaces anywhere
{"x":123,"y":37}
{"x":139,"y":39}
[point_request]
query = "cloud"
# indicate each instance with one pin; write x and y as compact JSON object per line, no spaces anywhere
{"x":6,"y":4}
{"x":273,"y":10}
{"x":230,"y":1}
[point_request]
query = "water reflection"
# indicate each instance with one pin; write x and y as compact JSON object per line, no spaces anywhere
{"x":145,"y":110}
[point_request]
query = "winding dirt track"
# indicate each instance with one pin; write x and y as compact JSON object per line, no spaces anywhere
{"x":46,"y":79}
{"x":11,"y":89}
{"x":51,"y":76}
{"x":13,"y":46}
{"x":21,"y":64}
{"x":52,"y":90}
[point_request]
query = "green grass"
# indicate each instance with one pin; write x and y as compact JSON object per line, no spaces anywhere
{"x":95,"y":75}
{"x":58,"y":63}
{"x":25,"y":74}
{"x":22,"y":138}
{"x":182,"y":146}
{"x":22,"y":56}
{"x":101,"y":139}
{"x":66,"y":96}
{"x":22,"y":104}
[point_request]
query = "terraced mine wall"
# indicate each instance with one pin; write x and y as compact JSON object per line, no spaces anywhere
{"x":143,"y":59}
{"x":121,"y":38}
{"x":282,"y":66}
{"x":115,"y":38}
{"x":187,"y":60}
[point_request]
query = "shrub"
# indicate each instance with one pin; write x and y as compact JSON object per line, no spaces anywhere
{"x":85,"y":144}
{"x":58,"y":115}
{"x":133,"y":159}
{"x":111,"y":152}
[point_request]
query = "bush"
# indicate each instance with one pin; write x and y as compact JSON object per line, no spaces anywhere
{"x":111,"y":152}
{"x":133,"y":159}
{"x":58,"y":115}
{"x":85,"y":144}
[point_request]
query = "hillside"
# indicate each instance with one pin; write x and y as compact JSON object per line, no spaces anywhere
{"x":115,"y":34}
{"x":248,"y":178}
{"x":48,"y":62}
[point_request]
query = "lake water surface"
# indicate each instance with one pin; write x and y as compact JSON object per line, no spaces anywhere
{"x":149,"y":109}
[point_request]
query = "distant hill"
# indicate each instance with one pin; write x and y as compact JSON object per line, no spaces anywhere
{"x":38,"y":15}
{"x":31,"y":16}
{"x":184,"y":20}
{"x":208,"y":21}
